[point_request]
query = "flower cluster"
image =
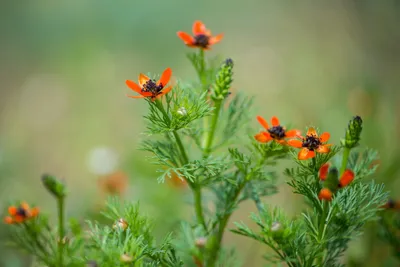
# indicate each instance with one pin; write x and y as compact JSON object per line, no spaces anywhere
{"x":21,"y":213}
{"x":331,"y":183}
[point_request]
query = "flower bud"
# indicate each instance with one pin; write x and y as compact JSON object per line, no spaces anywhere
{"x":277,"y":231}
{"x":220,"y":88}
{"x":200,"y":242}
{"x":120,"y":224}
{"x":353,"y":132}
{"x":125,"y":258}
{"x":54,"y":186}
{"x":182,"y":111}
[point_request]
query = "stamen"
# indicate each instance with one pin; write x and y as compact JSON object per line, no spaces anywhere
{"x":152,"y":87}
{"x":201,"y":40}
{"x":22,"y":212}
{"x":311,"y":142}
{"x":277,"y":132}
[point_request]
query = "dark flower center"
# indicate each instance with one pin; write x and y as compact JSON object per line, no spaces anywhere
{"x":201,"y":40}
{"x":277,"y":132}
{"x":21,"y":212}
{"x":152,"y":87}
{"x":311,"y":142}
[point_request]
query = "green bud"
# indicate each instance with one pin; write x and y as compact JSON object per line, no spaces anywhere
{"x":54,"y":186}
{"x":277,"y":231}
{"x":222,"y":84}
{"x":353,"y":132}
{"x":331,"y":182}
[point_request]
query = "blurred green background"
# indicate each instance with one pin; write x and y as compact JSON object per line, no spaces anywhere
{"x":63,"y":66}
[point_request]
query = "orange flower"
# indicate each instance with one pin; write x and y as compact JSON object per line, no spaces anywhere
{"x":346,"y":178}
{"x":323,"y":171}
{"x":276,"y":132}
{"x":177,"y":181}
{"x":21,"y":213}
{"x":114,"y":184}
{"x":311,"y":143}
{"x":391,"y":204}
{"x":150,"y":88}
{"x":325,"y":194}
{"x":202,"y":36}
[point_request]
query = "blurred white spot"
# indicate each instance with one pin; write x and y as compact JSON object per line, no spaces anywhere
{"x":102,"y":160}
{"x":43,"y":101}
{"x":182,"y":111}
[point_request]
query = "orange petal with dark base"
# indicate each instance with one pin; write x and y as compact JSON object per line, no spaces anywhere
{"x":137,"y":96}
{"x":293,"y":133}
{"x":325,"y":194}
{"x":263,"y":137}
{"x":263,"y":122}
{"x":216,"y":39}
{"x":12,"y":210}
{"x":312,"y":131}
{"x":165,"y":91}
{"x":186,"y":38}
{"x":305,"y":153}
{"x":134,"y":86}
{"x":324,"y":137}
{"x":198,"y":27}
{"x":347,"y":178}
{"x":275,"y":121}
{"x":165,"y":76}
{"x":323,"y":171}
{"x":295,"y":143}
{"x":142,"y":79}
{"x":323,"y":149}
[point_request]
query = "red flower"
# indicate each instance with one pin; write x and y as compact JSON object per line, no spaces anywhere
{"x":346,"y":178}
{"x":20,"y":214}
{"x":202,"y":36}
{"x":325,"y":194}
{"x":150,"y":88}
{"x":311,"y":143}
{"x":323,"y":171}
{"x":276,"y":132}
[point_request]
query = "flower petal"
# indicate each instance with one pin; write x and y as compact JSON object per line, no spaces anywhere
{"x":134,"y":86}
{"x":293,"y":133}
{"x":263,"y":137}
{"x":305,"y":153}
{"x":199,"y":27}
{"x":165,"y":76}
{"x":19,"y":218}
{"x":34,"y":212}
{"x":324,"y":137}
{"x":312,"y":131}
{"x":216,"y":39}
{"x":165,"y":91}
{"x":186,"y":38}
{"x":8,"y":220}
{"x":275,"y":121}
{"x":347,"y":178}
{"x":323,"y":171}
{"x":295,"y":143}
{"x":12,"y":210}
{"x":137,"y":96}
{"x":325,"y":194}
{"x":263,"y":122}
{"x":323,"y":149}
{"x":142,"y":79}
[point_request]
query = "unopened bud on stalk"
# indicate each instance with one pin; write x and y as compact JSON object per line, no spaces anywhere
{"x":277,"y":231}
{"x":222,"y":84}
{"x":200,"y":242}
{"x":353,"y":132}
{"x":54,"y":186}
{"x":120,"y":224}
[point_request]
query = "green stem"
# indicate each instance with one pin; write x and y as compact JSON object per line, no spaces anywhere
{"x":201,"y":71}
{"x":346,"y":153}
{"x":209,"y":138}
{"x":198,"y":206}
{"x":61,"y":231}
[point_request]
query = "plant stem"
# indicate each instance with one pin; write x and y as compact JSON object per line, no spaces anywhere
{"x":198,"y":206}
{"x":346,"y":153}
{"x":201,"y":72}
{"x":209,"y":138}
{"x":61,"y":232}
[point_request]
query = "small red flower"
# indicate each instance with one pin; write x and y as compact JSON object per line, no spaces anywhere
{"x":311,"y":143}
{"x":325,"y":194}
{"x":323,"y":171}
{"x":346,"y":178}
{"x":150,"y":88}
{"x":276,"y":132}
{"x":202,"y":36}
{"x":20,"y":214}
